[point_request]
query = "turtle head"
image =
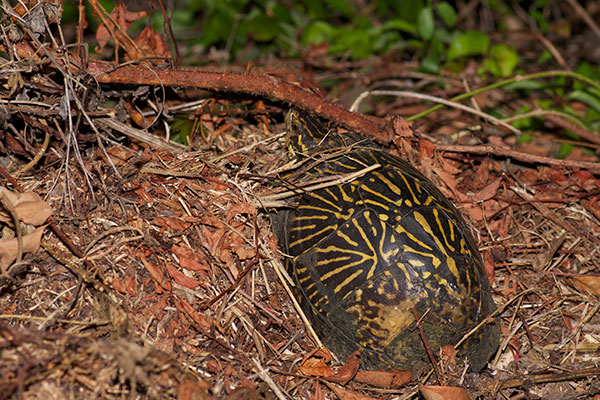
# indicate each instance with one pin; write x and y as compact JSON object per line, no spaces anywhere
{"x":304,"y":132}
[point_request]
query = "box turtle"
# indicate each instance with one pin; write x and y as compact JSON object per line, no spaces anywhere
{"x":370,"y":254}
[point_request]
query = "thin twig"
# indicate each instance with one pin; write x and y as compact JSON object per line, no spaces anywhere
{"x":337,"y":180}
{"x":265,"y":377}
{"x":514,"y":79}
{"x":593,"y":167}
{"x":430,"y":355}
{"x":585,"y":16}
{"x":580,"y":325}
{"x":449,"y":103}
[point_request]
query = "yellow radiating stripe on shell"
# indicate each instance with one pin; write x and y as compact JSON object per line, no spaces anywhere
{"x":367,"y":216}
{"x":418,"y":187}
{"x":463,"y":247}
{"x":377,"y":204}
{"x":339,"y":163}
{"x":400,"y":229}
{"x":363,"y":258}
{"x":397,"y":203}
{"x":436,"y":262}
{"x":417,"y":264}
{"x":420,"y":218}
{"x":345,"y":196}
{"x":321,"y":263}
{"x":329,"y":192}
{"x":303,"y":227}
{"x":442,"y":281}
{"x":347,"y":238}
{"x":468,"y":252}
{"x":324,"y":200}
{"x":452,"y":232}
{"x":346,"y":281}
{"x":393,"y":250}
{"x":391,"y":185}
{"x":410,"y":190}
{"x":436,"y":214}
{"x":309,"y":237}
{"x":309,"y":217}
{"x":323,"y":211}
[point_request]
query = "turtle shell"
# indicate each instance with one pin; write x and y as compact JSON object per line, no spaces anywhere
{"x":373,"y":255}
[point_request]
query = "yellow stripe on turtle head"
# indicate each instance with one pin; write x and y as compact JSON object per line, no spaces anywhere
{"x":304,"y":132}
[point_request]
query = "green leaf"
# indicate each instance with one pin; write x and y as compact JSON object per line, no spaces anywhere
{"x":589,"y":71}
{"x":523,"y":123}
{"x":317,"y":33}
{"x":524,"y":85}
{"x":469,"y":43}
{"x":426,"y":23}
{"x":447,"y":13}
{"x":430,"y":65}
{"x":400,"y":25}
{"x":506,"y":58}
{"x":343,"y":6}
{"x":586,"y":98}
{"x":262,"y":28}
{"x":181,"y":129}
{"x":545,"y":57}
{"x":488,"y":65}
{"x":217,"y":25}
{"x":544,"y":103}
{"x":565,"y":149}
{"x":357,"y":42}
{"x":524,"y":138}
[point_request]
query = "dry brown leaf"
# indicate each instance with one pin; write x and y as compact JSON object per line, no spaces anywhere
{"x":585,"y":180}
{"x":123,"y":18}
{"x":402,"y":128}
{"x":490,"y":266}
{"x":481,"y":176}
{"x":9,"y":248}
{"x":188,"y":259}
{"x":193,"y":390}
{"x":315,"y":364}
{"x":449,"y":354}
{"x":244,"y":253}
{"x":318,"y":392}
{"x":347,"y":371}
{"x":384,"y":379}
{"x":180,"y":278}
{"x":192,"y":313}
{"x":177,"y":224}
{"x":426,"y":149}
{"x":448,"y":179}
{"x":592,"y":205}
{"x":242,"y":207}
{"x":156,"y":274}
{"x":345,"y":394}
{"x":444,"y":393}
{"x":151,"y":44}
{"x":589,"y":284}
{"x":136,"y":116}
{"x":29,"y":207}
{"x":487,"y":192}
{"x":450,"y":166}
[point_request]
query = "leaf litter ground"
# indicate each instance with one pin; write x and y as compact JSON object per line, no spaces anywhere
{"x":175,"y":291}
